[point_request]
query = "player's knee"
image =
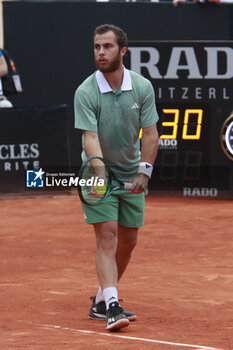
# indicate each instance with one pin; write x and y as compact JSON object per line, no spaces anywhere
{"x":107,"y":242}
{"x":128,"y":244}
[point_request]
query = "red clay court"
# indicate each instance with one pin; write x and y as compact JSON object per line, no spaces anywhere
{"x":179,"y":281}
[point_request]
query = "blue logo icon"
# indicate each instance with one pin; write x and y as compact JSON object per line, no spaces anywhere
{"x":35,"y":178}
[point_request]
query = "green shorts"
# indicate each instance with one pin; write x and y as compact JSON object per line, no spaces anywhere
{"x":126,"y":208}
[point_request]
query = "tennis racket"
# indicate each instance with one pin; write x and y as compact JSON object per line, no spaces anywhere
{"x":97,"y":181}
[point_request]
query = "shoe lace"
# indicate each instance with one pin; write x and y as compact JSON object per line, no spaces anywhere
{"x":115,"y":309}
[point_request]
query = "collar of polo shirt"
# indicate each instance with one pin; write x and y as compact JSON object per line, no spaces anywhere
{"x":105,"y":87}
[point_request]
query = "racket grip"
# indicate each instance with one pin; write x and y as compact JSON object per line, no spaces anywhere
{"x":127,"y":186}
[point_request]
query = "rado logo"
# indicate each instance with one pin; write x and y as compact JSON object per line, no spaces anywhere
{"x":200,"y":192}
{"x":184,"y":58}
{"x":168,"y":144}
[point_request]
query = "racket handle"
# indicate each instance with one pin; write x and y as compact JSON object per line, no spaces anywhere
{"x":127,"y":186}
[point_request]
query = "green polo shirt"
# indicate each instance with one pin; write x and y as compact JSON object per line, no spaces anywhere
{"x":117,"y":116}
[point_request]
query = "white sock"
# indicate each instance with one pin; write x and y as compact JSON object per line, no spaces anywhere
{"x":110,"y":295}
{"x":99,"y":296}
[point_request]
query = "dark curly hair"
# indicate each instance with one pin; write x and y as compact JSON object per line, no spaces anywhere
{"x":120,"y":34}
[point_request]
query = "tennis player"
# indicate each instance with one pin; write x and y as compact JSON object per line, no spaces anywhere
{"x":111,"y":106}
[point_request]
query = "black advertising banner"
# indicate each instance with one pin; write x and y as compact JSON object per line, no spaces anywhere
{"x":31,"y":138}
{"x":193,"y":83}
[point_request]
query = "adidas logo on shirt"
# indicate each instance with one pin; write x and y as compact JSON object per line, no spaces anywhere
{"x":135,"y":106}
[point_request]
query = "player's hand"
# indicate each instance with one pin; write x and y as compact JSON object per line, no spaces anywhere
{"x":99,"y":170}
{"x":139,"y":183}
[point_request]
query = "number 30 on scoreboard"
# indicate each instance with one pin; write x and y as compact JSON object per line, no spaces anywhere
{"x":190,"y":122}
{"x":191,"y":126}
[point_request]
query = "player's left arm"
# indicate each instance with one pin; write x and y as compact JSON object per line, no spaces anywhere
{"x":149,"y":150}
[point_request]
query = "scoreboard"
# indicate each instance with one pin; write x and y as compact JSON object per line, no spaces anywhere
{"x":193,"y":83}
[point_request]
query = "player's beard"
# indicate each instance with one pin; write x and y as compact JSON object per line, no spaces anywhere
{"x":111,"y":66}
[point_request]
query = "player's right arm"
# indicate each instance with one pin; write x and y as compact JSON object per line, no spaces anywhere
{"x":86,"y":120}
{"x":92,"y":149}
{"x":92,"y":144}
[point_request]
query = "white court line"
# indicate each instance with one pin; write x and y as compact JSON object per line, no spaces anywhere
{"x":196,"y":347}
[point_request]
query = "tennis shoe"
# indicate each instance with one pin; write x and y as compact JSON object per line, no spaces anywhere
{"x":98,"y":311}
{"x":115,"y":319}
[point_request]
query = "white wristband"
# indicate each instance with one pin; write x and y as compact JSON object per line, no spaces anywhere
{"x":145,"y":168}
